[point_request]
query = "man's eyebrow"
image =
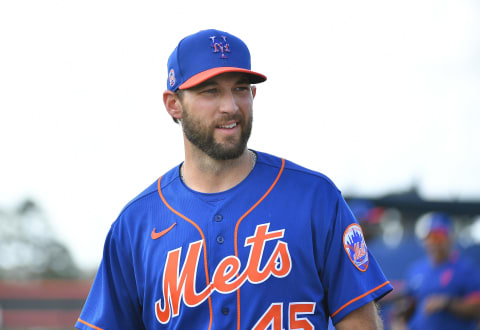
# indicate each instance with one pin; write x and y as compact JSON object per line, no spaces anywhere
{"x":207,"y":83}
{"x":243,"y":79}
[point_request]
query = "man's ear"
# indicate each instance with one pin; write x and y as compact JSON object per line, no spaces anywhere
{"x":172,"y":104}
{"x":254,"y":91}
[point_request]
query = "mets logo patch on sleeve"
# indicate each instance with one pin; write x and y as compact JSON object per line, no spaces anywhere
{"x":355,"y":246}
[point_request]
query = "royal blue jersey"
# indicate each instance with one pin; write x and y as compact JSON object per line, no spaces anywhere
{"x":279,"y":250}
{"x":456,"y":278}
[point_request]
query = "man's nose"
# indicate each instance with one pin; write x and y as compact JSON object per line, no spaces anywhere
{"x":228,"y":103}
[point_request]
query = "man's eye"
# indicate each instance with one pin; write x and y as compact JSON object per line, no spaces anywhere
{"x":242,"y":88}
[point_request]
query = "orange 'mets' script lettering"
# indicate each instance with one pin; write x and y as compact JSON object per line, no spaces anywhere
{"x":179,"y":282}
{"x":163,"y":232}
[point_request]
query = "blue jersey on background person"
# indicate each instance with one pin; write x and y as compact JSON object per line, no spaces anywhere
{"x":444,"y":286}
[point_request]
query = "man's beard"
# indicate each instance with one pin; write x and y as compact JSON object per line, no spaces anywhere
{"x":202,"y":137}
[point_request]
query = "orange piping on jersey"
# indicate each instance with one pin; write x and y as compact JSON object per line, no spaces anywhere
{"x":90,"y":325}
{"x":238,"y":224}
{"x":204,"y":246}
{"x":360,"y":297}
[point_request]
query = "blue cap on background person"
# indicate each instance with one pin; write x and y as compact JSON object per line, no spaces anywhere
{"x":205,"y":54}
{"x":437,"y":223}
{"x":365,"y":211}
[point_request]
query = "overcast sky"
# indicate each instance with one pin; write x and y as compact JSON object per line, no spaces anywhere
{"x":377,"y":95}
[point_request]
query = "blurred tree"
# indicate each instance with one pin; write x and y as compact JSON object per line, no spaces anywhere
{"x":29,"y":248}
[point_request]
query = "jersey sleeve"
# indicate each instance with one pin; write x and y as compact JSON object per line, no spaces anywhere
{"x":113,"y":300}
{"x":351,"y":275}
{"x":470,"y":290}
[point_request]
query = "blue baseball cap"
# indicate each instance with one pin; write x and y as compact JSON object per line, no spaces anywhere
{"x":365,"y":211}
{"x":438,"y":222}
{"x":205,"y":54}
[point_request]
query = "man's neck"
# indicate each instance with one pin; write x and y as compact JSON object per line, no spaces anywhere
{"x":205,"y":174}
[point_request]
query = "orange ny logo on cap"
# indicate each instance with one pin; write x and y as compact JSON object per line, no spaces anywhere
{"x":220,"y":46}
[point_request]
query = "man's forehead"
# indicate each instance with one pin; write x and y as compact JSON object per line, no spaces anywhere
{"x":231,"y":77}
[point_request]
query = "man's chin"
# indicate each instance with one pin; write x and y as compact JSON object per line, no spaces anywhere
{"x":222,"y":152}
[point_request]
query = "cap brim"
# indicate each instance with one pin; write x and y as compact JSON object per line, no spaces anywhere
{"x":255,"y":77}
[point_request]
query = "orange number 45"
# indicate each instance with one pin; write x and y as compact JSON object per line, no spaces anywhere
{"x":273,"y":317}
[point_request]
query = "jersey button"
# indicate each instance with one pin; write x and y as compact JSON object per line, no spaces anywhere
{"x":225,"y":310}
{"x":220,"y":239}
{"x":218,"y":217}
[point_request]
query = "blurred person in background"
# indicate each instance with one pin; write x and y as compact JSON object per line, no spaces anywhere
{"x":368,"y":216}
{"x":443,"y":289}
